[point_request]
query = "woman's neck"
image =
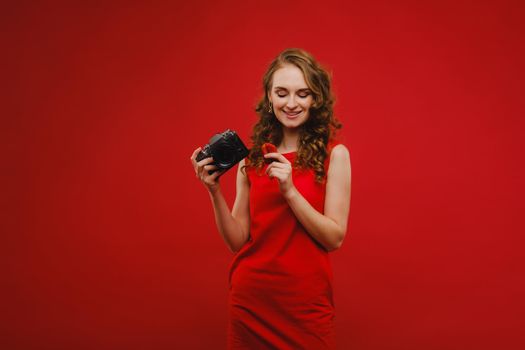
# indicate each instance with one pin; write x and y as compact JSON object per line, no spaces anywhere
{"x":290,"y":140}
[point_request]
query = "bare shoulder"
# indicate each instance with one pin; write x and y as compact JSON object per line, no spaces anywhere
{"x":339,"y":166}
{"x":340,"y":154}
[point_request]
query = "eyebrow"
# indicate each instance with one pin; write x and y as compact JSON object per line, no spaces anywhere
{"x":283,"y":88}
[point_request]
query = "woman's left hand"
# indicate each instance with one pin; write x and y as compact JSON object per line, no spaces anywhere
{"x":280,"y":168}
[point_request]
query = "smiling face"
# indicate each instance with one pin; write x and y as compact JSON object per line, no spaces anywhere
{"x":290,"y":96}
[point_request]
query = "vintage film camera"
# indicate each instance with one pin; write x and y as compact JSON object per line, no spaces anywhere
{"x":226,"y":149}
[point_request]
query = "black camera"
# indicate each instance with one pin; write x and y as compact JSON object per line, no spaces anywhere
{"x":226,"y":149}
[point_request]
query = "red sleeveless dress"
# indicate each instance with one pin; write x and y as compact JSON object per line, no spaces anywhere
{"x":281,"y":280}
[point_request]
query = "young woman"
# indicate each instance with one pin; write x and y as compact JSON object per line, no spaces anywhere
{"x":291,"y":209}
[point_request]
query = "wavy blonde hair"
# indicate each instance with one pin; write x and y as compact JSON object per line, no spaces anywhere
{"x":315,"y":134}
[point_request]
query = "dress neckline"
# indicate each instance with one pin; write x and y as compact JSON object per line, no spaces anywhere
{"x":289,"y":154}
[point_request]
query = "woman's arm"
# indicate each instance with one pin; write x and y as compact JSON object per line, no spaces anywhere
{"x":234,"y":227}
{"x":328,"y":229}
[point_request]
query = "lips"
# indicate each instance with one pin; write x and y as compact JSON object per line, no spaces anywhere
{"x":292,"y":115}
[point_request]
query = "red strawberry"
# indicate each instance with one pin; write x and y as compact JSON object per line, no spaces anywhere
{"x":268,"y":148}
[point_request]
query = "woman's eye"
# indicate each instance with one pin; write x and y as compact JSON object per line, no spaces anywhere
{"x":301,"y":96}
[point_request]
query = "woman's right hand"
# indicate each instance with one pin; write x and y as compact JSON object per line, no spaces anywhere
{"x":201,"y":171}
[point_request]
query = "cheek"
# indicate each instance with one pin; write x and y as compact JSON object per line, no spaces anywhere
{"x":279,"y":102}
{"x":307,"y":103}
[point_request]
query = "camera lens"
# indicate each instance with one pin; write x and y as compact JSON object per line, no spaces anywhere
{"x":224,"y":156}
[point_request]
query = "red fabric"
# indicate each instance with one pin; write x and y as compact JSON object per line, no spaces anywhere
{"x":281,"y":279}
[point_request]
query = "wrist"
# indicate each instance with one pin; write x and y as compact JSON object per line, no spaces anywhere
{"x":214,"y":191}
{"x":290,"y":194}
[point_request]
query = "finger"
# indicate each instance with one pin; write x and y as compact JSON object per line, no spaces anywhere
{"x":216,"y":174}
{"x":205,"y":161}
{"x":273,"y":172}
{"x":277,"y":156}
{"x":203,"y":171}
{"x":199,"y":169}
{"x":210,"y":167}
{"x":194,"y":154}
{"x":192,"y":160}
{"x":279,"y":165}
{"x":280,"y":173}
{"x":270,"y":167}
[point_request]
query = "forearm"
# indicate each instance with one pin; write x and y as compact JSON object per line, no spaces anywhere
{"x":228,"y":227}
{"x":322,"y":228}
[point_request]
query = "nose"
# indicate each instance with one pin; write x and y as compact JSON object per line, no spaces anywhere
{"x":291,"y":103}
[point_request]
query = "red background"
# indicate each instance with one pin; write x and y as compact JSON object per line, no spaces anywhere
{"x":109,"y":240}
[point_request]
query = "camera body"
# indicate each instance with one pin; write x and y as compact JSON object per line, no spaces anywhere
{"x":226,"y":148}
